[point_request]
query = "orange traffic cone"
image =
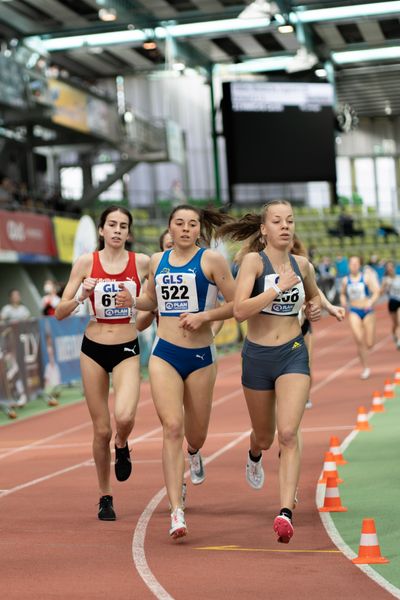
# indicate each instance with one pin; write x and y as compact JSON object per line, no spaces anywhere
{"x":397,"y":377}
{"x":335,"y":449}
{"x":388,"y":389}
{"x":377,"y":403}
{"x":362,"y":420}
{"x":332,"y":501}
{"x":369,"y":551}
{"x":329,"y":469}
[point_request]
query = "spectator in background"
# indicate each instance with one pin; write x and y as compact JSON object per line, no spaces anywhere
{"x":345,"y":226}
{"x":14,"y":310}
{"x":326,"y":273}
{"x":51,"y":298}
{"x":385,"y":229}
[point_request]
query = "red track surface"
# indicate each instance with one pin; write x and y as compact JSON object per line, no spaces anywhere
{"x":53,"y":546}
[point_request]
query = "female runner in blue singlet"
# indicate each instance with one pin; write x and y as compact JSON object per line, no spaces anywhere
{"x":183,"y":282}
{"x":272,"y":286}
{"x":360,"y":291}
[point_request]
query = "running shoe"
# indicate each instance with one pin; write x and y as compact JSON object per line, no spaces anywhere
{"x":178,"y":524}
{"x":197,"y":473}
{"x":106,"y":510}
{"x":283,"y":528}
{"x":123,"y":464}
{"x":254,"y":473}
{"x":309,"y":403}
{"x":365,"y":373}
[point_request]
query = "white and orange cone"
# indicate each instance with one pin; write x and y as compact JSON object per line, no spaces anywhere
{"x":334,"y":447}
{"x":362,"y":420}
{"x":332,"y":502}
{"x":369,"y":551}
{"x":330,"y":469}
{"x":397,"y":377}
{"x":388,"y":390}
{"x":377,"y":403}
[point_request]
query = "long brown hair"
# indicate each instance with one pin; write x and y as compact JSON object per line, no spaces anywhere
{"x":298,"y":247}
{"x":210,"y":220}
{"x":248,"y":229}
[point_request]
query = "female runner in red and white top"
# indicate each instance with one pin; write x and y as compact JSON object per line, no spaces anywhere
{"x":110,"y":280}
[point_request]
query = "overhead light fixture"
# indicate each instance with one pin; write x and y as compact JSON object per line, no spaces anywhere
{"x":256,"y":65}
{"x":150,"y":45}
{"x":125,"y":36}
{"x":346,"y":12}
{"x":107,"y":14}
{"x":285,"y":29}
{"x":352,"y":56}
{"x":302,"y":61}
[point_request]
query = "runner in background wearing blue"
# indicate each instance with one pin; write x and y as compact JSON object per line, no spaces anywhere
{"x":360,"y":291}
{"x":184,"y":282}
{"x":271,"y":288}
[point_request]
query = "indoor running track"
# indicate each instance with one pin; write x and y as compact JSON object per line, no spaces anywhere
{"x":53,"y":546}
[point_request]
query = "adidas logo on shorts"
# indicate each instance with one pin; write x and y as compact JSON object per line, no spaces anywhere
{"x":296,"y":345}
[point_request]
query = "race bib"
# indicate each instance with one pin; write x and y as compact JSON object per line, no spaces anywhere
{"x":176,"y":293}
{"x":105,"y":294}
{"x":287,"y":302}
{"x":356,"y":291}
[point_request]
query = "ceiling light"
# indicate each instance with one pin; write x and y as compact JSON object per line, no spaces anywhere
{"x":346,"y":12}
{"x":257,"y":65}
{"x":350,"y":56}
{"x":131,"y":36}
{"x":107,"y":14}
{"x":149,"y":45}
{"x":285,"y":29}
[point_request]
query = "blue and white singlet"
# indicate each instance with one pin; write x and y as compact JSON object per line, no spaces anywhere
{"x":183,"y":289}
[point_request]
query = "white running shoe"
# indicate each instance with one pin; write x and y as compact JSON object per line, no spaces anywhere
{"x":197,"y":473}
{"x":254,"y":473}
{"x":178,"y":524}
{"x":365,"y":373}
{"x":309,"y":403}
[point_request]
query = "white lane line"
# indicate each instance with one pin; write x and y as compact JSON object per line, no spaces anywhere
{"x":138,"y":553}
{"x":341,"y":370}
{"x":85,"y":463}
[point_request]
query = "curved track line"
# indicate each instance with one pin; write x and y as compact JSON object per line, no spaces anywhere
{"x":138,"y":553}
{"x":328,"y":523}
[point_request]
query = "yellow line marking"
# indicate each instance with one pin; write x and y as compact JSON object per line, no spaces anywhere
{"x":240,"y":549}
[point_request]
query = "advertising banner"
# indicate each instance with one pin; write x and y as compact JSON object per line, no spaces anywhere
{"x":27,"y":234}
{"x":65,"y":232}
{"x":60,"y":346}
{"x":20,"y":362}
{"x":70,"y":106}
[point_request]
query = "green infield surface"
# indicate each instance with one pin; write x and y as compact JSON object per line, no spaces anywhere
{"x":371,"y":487}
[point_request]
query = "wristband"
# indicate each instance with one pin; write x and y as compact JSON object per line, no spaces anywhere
{"x":276,"y":288}
{"x":76,"y":298}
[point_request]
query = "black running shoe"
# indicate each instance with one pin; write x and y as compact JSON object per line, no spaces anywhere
{"x":106,"y":511}
{"x":123,"y":465}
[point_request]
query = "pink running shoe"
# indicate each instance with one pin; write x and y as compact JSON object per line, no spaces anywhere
{"x":283,"y":528}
